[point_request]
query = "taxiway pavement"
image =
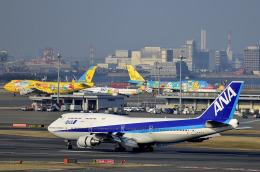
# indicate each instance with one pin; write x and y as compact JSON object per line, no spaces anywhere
{"x":172,"y":158}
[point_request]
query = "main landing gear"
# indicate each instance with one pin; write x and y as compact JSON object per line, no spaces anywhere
{"x":69,"y":145}
{"x":120,"y":148}
{"x":143,"y":148}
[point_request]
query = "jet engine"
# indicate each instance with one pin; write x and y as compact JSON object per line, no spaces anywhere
{"x":25,"y":91}
{"x":87,"y":141}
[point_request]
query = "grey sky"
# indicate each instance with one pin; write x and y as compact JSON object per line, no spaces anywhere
{"x":71,"y":26}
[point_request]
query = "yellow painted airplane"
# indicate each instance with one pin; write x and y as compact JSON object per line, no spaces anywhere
{"x":25,"y":87}
{"x":169,"y":86}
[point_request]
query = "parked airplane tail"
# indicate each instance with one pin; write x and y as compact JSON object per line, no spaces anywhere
{"x":144,"y":86}
{"x":223,"y":108}
{"x":133,"y":74}
{"x":88,"y":75}
{"x":73,"y":79}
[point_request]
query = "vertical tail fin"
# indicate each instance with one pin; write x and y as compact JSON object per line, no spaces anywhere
{"x":88,"y":75}
{"x":73,"y":79}
{"x":144,"y":86}
{"x":133,"y":74}
{"x":224,"y":106}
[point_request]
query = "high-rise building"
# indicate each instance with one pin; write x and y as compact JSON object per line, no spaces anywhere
{"x":221,"y":60}
{"x":167,"y":55}
{"x":229,"y":51}
{"x":151,"y":52}
{"x":169,"y":69}
{"x":203,"y":40}
{"x":201,"y":61}
{"x":3,"y":56}
{"x":190,"y":50}
{"x":252,"y":58}
{"x":48,"y":54}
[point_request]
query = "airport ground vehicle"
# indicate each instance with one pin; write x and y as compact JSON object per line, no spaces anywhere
{"x":75,"y":108}
{"x":155,"y":110}
{"x":130,"y":109}
{"x":65,"y":107}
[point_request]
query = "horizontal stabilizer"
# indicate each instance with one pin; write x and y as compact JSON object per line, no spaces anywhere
{"x":242,"y":128}
{"x":245,"y":122}
{"x":210,"y":136}
{"x":214,"y":124}
{"x":201,"y":139}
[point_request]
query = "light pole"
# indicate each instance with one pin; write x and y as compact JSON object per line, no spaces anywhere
{"x":58,"y":92}
{"x":158,"y":76}
{"x":181,"y":58}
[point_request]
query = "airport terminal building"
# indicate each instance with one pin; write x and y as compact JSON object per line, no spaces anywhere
{"x":80,"y":101}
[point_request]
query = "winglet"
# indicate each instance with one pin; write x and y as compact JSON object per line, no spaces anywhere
{"x":133,"y":74}
{"x":223,"y":108}
{"x":88,"y":75}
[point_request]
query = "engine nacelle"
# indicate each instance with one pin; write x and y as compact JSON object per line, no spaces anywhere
{"x":87,"y":141}
{"x":25,"y":91}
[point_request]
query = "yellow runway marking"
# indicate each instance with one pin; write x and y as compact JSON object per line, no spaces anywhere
{"x":10,"y":107}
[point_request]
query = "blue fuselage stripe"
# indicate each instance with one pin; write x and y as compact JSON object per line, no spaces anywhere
{"x":145,"y":127}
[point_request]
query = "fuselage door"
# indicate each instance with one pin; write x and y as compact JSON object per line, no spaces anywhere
{"x":192,"y":131}
{"x":122,"y":128}
{"x":90,"y":128}
{"x":150,"y":129}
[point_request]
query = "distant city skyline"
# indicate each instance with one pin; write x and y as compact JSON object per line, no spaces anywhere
{"x":70,"y":27}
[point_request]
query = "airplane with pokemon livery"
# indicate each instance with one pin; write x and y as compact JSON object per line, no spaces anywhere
{"x":169,"y":86}
{"x":25,"y":87}
{"x":116,"y":91}
{"x":141,"y":134}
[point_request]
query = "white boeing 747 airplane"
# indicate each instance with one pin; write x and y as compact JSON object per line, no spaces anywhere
{"x":91,"y":129}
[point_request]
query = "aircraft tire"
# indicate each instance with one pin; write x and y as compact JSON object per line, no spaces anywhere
{"x":136,"y":149}
{"x":143,"y":149}
{"x":69,"y":146}
{"x":120,"y":149}
{"x":148,"y":149}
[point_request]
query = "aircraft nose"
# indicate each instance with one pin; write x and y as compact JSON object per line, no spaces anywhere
{"x":50,"y":128}
{"x":6,"y":86}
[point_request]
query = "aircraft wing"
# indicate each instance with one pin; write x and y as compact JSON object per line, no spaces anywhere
{"x":28,"y":91}
{"x":125,"y":141}
{"x":115,"y":137}
{"x":89,"y":84}
{"x":36,"y":90}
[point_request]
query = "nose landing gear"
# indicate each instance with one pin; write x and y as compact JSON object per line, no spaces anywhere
{"x":69,"y":145}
